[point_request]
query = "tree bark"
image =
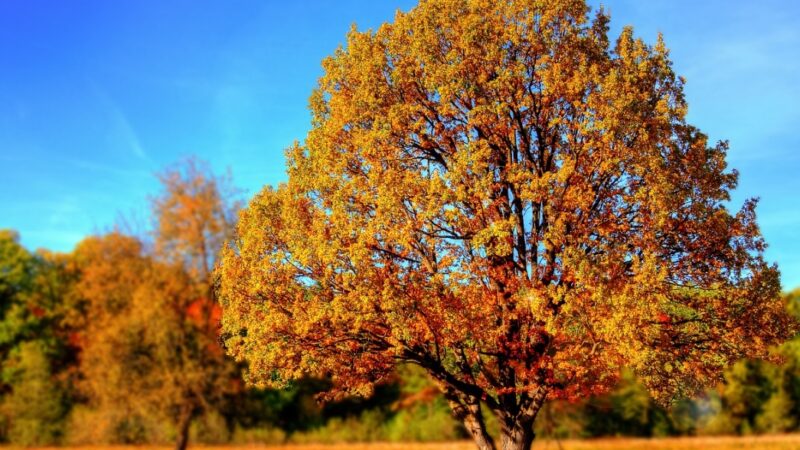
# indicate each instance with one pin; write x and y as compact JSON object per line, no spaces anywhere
{"x":518,"y":437}
{"x":477,"y":429}
{"x":515,"y":414}
{"x":516,"y":431}
{"x":467,"y":409}
{"x":517,"y":427}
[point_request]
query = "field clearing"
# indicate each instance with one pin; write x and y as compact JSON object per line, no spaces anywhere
{"x":777,"y":442}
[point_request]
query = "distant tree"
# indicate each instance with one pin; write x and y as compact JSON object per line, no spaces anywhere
{"x":118,"y":367}
{"x":493,"y":191}
{"x":628,"y":410}
{"x":781,"y":411}
{"x":152,"y":318}
{"x":194,"y":216}
{"x":36,"y":355}
{"x":758,"y":396}
{"x":17,"y":267}
{"x":746,"y":389}
{"x":148,"y":355}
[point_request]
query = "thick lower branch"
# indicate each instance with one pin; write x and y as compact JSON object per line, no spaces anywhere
{"x":467,"y":409}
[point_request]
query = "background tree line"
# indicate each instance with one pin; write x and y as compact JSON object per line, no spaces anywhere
{"x":117,"y":342}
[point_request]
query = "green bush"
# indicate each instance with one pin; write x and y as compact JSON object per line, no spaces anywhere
{"x":35,"y":409}
{"x":425,"y":421}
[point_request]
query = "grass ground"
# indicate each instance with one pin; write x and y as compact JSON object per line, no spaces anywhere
{"x":781,"y":442}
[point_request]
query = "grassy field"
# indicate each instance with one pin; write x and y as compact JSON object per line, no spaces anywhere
{"x":782,"y":442}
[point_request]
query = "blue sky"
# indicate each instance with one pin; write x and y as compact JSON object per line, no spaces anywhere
{"x":96,"y":96}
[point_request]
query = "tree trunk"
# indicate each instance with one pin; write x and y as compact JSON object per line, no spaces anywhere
{"x":518,"y":437}
{"x":516,"y":420}
{"x":183,"y":431}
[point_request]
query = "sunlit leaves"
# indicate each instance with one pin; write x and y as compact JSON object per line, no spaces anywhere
{"x":495,"y":192}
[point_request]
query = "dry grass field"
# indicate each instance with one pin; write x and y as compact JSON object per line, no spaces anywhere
{"x":782,"y":442}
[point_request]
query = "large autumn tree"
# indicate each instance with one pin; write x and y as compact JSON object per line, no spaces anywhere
{"x":494,"y":191}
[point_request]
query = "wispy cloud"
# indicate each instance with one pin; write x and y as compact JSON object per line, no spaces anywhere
{"x":121,"y":124}
{"x":108,"y":169}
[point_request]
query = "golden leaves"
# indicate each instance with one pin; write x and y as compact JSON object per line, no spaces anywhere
{"x":493,"y":185}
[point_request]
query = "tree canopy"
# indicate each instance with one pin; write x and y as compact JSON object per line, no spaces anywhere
{"x":500,"y":194}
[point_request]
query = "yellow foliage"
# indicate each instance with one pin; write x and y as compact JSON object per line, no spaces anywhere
{"x":495,"y":192}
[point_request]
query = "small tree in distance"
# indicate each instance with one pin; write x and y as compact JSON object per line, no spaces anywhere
{"x":493,"y":191}
{"x":194,"y":215}
{"x":152,"y":352}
